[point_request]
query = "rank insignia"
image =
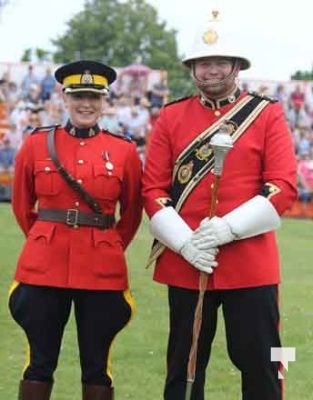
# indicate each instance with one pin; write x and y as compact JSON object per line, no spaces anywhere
{"x":204,"y":152}
{"x":185,"y":173}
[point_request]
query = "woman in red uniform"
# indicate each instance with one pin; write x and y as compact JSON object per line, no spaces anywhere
{"x":256,"y":187}
{"x":77,"y":199}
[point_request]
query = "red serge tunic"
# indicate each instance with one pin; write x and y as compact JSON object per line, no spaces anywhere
{"x":263,"y":154}
{"x":54,"y":253}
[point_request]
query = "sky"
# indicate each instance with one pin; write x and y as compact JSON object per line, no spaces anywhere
{"x":275,"y":35}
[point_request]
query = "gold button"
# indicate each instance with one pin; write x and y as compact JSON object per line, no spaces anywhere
{"x":80,"y":161}
{"x":76,"y":203}
{"x":75,"y":226}
{"x":79,"y":181}
{"x":217,"y":113}
{"x":82,"y":143}
{"x":47,"y":169}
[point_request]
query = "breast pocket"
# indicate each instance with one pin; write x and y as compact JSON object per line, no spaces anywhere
{"x":47,"y":178}
{"x":107,"y":184}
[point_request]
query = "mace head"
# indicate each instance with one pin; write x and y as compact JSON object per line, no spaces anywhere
{"x":221,"y":143}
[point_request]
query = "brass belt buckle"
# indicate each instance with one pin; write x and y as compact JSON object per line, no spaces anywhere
{"x":72,"y":217}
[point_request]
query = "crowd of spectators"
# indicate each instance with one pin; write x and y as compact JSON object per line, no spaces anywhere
{"x":298,"y":105}
{"x":35,"y":101}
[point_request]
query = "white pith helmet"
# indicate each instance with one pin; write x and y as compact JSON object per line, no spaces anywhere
{"x":214,"y":41}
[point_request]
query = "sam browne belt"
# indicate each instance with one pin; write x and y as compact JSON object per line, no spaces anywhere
{"x":73,"y":217}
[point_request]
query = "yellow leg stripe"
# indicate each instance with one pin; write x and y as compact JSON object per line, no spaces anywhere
{"x":131,"y":302}
{"x":13,"y":286}
{"x":27,"y":357}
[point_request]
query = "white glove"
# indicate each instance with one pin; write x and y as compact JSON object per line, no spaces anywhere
{"x":202,"y":260}
{"x":212,"y":232}
{"x":254,"y":217}
{"x":169,"y":228}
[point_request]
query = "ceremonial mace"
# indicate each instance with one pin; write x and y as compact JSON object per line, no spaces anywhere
{"x":220,"y":143}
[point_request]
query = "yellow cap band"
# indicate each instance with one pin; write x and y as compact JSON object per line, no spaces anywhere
{"x":80,"y":79}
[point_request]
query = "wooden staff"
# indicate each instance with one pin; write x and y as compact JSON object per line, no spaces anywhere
{"x":221,"y":143}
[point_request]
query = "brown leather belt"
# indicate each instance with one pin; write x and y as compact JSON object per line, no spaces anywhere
{"x":73,"y":217}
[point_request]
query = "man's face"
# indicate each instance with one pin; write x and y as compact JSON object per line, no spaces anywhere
{"x":84,"y":108}
{"x":218,"y":75}
{"x":213,"y":68}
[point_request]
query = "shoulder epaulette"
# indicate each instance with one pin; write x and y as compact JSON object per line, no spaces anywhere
{"x":44,"y":128}
{"x":177,"y":100}
{"x":117,"y":135}
{"x":263,"y":96}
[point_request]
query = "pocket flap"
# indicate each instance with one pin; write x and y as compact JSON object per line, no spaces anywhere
{"x":101,"y":170}
{"x":42,"y":231}
{"x":107,"y":236}
{"x":45,"y":166}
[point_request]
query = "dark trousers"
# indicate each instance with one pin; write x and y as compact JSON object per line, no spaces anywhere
{"x":251,"y":322}
{"x":43,"y":313}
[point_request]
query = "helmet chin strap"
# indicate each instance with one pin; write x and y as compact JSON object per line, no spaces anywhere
{"x":210,"y":83}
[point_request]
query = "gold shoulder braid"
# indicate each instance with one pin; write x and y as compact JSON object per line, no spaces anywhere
{"x":197,"y":159}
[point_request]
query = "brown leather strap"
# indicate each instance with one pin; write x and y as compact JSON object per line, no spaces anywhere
{"x":73,"y":217}
{"x":92,"y":203}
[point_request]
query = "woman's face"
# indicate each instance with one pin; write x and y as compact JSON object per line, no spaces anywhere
{"x":84,"y":108}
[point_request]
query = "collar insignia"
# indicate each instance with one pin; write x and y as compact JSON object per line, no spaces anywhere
{"x":91,"y":132}
{"x":82,"y":132}
{"x":72,"y":131}
{"x":218,"y":103}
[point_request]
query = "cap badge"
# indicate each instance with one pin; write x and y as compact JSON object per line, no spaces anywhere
{"x":86,"y":78}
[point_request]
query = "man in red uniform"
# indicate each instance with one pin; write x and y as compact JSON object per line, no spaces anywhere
{"x":257,"y":185}
{"x":77,"y":199}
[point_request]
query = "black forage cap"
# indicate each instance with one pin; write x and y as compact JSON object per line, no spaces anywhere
{"x":85,"y":76}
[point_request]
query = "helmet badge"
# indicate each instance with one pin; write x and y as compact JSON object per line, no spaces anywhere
{"x":210,"y":36}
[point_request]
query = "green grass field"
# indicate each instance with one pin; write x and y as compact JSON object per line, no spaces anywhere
{"x":139,"y":351}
